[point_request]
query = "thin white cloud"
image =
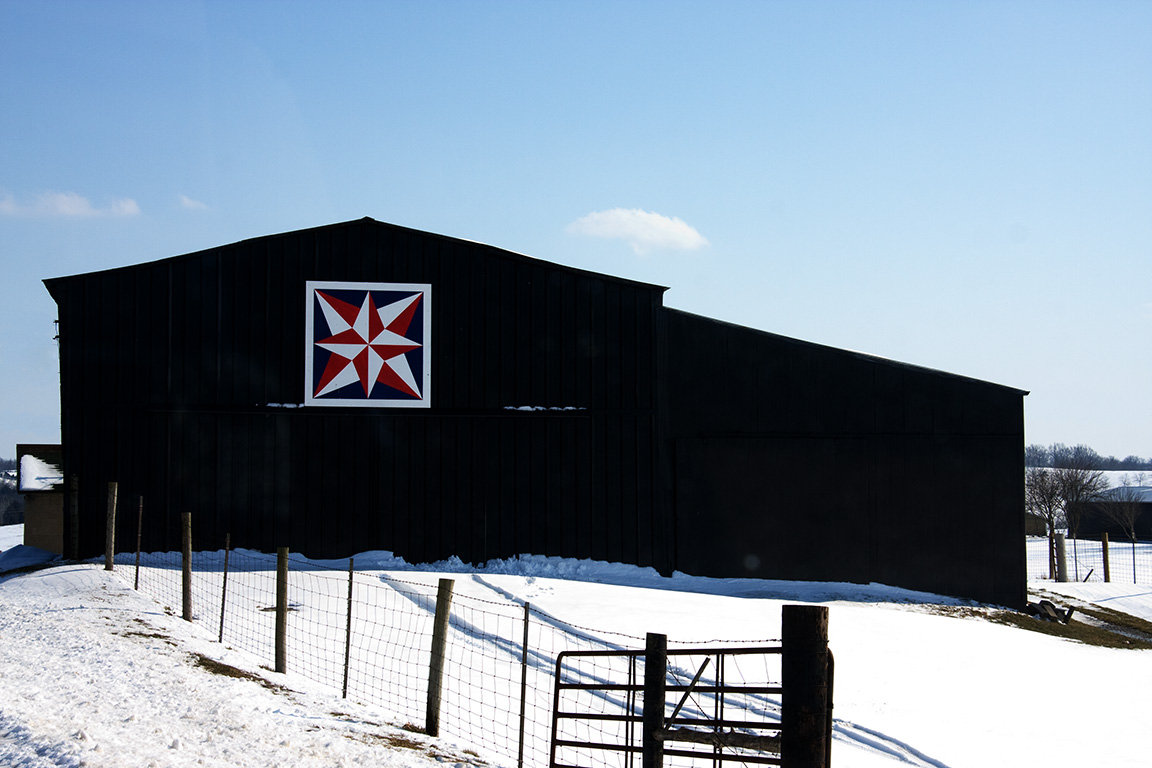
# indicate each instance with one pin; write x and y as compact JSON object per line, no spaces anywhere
{"x":643,"y":230}
{"x":192,"y":205}
{"x":66,"y":205}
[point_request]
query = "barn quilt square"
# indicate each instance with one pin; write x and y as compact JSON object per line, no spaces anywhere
{"x":368,"y":345}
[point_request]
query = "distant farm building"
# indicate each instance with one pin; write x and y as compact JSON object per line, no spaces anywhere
{"x":364,"y":386}
{"x":40,"y":482}
{"x":1116,"y":510}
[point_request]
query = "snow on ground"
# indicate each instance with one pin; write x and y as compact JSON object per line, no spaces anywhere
{"x":11,"y":535}
{"x":95,"y":674}
{"x":38,"y":475}
{"x":1133,"y":599}
{"x":1117,"y":477}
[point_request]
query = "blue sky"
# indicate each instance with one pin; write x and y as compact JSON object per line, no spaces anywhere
{"x":964,"y":186}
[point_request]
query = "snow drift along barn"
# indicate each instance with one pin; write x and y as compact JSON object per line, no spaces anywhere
{"x":364,"y":386}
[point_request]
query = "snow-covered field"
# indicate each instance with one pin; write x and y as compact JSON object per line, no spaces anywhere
{"x":1129,"y":562}
{"x":93,"y":673}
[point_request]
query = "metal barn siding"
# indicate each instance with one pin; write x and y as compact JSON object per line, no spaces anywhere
{"x":817,"y":463}
{"x":556,"y":425}
{"x":182,"y":380}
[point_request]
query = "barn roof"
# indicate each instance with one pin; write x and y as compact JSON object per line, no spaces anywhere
{"x":1140,"y":493}
{"x":501,"y":253}
{"x":838,"y":350}
{"x":489,"y":250}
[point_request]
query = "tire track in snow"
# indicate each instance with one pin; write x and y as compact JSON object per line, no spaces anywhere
{"x":847,"y":733}
{"x":860,"y":737}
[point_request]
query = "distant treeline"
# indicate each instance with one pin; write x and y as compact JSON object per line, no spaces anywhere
{"x":11,"y":502}
{"x":1079,"y":456}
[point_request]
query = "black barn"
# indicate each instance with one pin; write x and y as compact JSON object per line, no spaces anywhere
{"x":365,"y":386}
{"x":1124,"y":503}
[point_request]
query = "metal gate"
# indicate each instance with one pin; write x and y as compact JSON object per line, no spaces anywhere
{"x":716,"y":716}
{"x":712,"y":705}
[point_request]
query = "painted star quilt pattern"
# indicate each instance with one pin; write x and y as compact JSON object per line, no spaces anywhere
{"x":368,"y":344}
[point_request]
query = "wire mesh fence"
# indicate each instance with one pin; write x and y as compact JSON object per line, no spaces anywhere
{"x":369,"y":634}
{"x":1128,"y":562}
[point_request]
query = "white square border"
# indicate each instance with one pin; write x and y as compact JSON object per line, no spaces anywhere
{"x":311,"y":286}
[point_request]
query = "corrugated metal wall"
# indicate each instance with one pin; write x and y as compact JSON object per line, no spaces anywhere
{"x":797,"y":461}
{"x":753,"y":454}
{"x":176,"y":375}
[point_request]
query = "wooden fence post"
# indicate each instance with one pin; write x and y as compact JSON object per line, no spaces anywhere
{"x":436,"y":664}
{"x":110,"y":530}
{"x":523,"y":683}
{"x":186,"y":558}
{"x":224,"y":585}
{"x":655,"y":672}
{"x":1104,"y":552}
{"x":348,"y":629}
{"x":282,"y":609}
{"x":1061,"y":560}
{"x":74,"y":519}
{"x":804,"y":678}
{"x":139,"y":536}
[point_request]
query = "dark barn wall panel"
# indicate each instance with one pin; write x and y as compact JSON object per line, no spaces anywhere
{"x":743,"y":513}
{"x":726,"y":504}
{"x":827,"y":464}
{"x":236,"y":475}
{"x":756,"y":507}
{"x":1004,"y":545}
{"x":214,"y":414}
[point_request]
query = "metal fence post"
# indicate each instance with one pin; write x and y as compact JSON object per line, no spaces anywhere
{"x":1061,"y":560}
{"x":436,"y":664}
{"x":1075,"y":558}
{"x":655,"y":672}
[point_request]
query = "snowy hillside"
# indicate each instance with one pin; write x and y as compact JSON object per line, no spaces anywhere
{"x":95,"y":674}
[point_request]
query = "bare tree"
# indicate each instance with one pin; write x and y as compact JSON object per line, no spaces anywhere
{"x":1080,"y":482}
{"x":1133,"y":462}
{"x":1060,"y":495}
{"x":1123,"y":506}
{"x":11,"y":505}
{"x":11,"y":502}
{"x":1042,"y":498}
{"x":1036,"y":455}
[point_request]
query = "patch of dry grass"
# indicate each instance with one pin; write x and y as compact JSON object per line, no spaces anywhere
{"x":227,"y":670}
{"x":1090,"y":624}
